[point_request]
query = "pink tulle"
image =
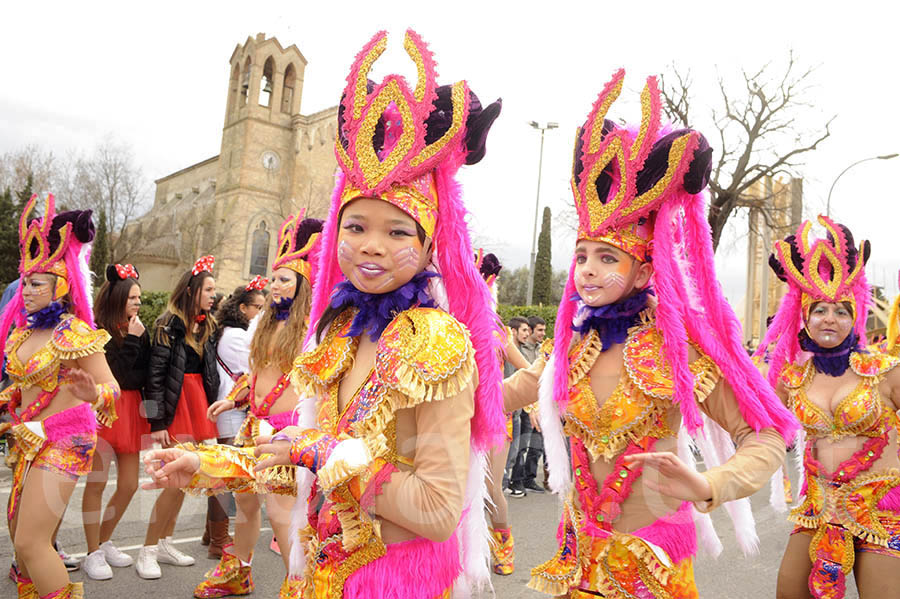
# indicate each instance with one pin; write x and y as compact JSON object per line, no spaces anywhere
{"x":416,"y":569}
{"x":562,"y":332}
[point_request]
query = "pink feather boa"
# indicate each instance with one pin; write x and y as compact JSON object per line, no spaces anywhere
{"x":79,"y":420}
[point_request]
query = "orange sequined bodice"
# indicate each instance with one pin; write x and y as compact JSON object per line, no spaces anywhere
{"x":858,"y":414}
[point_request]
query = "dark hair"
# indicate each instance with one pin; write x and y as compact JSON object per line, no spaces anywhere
{"x":109,"y":308}
{"x":183,"y":304}
{"x":229,"y":313}
{"x":534,"y":321}
{"x":516,"y":322}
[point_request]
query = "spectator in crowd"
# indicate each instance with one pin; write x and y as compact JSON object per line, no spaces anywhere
{"x":521,"y":331}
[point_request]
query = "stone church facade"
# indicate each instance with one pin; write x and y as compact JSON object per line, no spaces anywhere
{"x":273,"y":161}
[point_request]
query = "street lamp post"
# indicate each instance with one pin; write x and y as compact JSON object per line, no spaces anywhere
{"x":828,"y":201}
{"x":537,"y":204}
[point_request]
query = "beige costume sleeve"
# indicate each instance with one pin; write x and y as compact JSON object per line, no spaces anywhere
{"x":428,"y":500}
{"x":756,"y":457}
{"x":521,"y":388}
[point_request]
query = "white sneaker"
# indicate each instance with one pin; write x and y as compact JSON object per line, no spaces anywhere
{"x":115,"y":557}
{"x":147,"y":567}
{"x":168,"y":554}
{"x":95,"y":566}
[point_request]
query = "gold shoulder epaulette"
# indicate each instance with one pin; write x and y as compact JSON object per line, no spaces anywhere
{"x":424,"y":355}
{"x":73,"y":338}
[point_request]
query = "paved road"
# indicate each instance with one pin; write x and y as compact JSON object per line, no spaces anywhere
{"x":534,"y":522}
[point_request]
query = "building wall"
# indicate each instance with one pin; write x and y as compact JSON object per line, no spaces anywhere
{"x":215,"y":206}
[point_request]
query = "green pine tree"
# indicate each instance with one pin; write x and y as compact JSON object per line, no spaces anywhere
{"x":24,"y":194}
{"x":9,"y":238}
{"x":100,"y":249}
{"x":543,"y":271}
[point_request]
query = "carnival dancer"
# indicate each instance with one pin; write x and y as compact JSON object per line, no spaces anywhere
{"x":846,"y":398}
{"x":182,"y":380}
{"x":644,"y":343}
{"x":127,"y":353}
{"x":59,"y":377}
{"x":272,"y":402}
{"x":502,"y":542}
{"x":232,"y":343}
{"x":405,"y":374}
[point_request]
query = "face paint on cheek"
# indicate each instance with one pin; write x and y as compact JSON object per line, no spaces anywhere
{"x":344,"y":252}
{"x":406,"y":258}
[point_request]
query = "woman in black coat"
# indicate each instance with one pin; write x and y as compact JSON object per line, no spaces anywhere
{"x":182,"y":381}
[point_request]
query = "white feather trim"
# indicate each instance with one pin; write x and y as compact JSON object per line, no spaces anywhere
{"x":474,"y":537}
{"x":555,"y":450}
{"x":717,"y":448}
{"x":306,"y":417}
{"x":85,"y":274}
{"x":436,"y":288}
{"x":776,"y":491}
{"x":706,"y":531}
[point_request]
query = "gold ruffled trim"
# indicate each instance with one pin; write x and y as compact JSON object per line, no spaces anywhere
{"x":279,"y":480}
{"x":413,"y":388}
{"x":75,"y":590}
{"x":643,"y":426}
{"x":105,"y":406}
{"x":340,"y":471}
{"x":583,"y":356}
{"x":560,"y":584}
{"x":706,"y":377}
{"x":86,"y":341}
{"x":200,"y":484}
{"x":28,"y":443}
{"x":859,"y":363}
{"x":304,"y":379}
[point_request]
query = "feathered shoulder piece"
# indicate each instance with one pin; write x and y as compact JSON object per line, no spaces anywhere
{"x":793,"y":375}
{"x":323,"y":365}
{"x":650,"y":371}
{"x":425,"y":355}
{"x":73,"y":338}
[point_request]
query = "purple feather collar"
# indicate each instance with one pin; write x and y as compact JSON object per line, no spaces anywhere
{"x":45,"y":318}
{"x":611,"y":321}
{"x":283,"y":308}
{"x":377,"y":310}
{"x":833,"y":361}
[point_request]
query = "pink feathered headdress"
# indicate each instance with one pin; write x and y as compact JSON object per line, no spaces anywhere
{"x":652,"y":175}
{"x":390,"y":138}
{"x":827,"y":269}
{"x":58,"y":244}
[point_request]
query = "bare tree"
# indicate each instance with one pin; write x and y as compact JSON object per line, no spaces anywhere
{"x":41,"y":164}
{"x":758,"y":133}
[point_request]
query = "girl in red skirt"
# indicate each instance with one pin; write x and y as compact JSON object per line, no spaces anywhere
{"x":181,"y":383}
{"x":127,"y":352}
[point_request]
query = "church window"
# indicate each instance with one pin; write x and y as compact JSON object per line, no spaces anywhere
{"x":287,"y":96}
{"x":245,"y":81}
{"x":259,"y":250}
{"x":266,"y":88}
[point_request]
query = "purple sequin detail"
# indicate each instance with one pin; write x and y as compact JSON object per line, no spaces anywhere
{"x":894,"y":543}
{"x":45,"y":318}
{"x":612,"y":321}
{"x":833,"y":361}
{"x":283,"y":308}
{"x":377,"y":310}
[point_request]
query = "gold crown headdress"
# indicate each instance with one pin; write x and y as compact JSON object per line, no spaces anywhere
{"x":826,"y":269}
{"x":615,"y":193}
{"x":34,"y":245}
{"x":296,"y":240}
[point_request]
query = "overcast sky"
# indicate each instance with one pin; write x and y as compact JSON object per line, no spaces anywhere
{"x":155,"y":77}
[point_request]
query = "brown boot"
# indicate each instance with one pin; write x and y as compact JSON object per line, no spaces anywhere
{"x":205,"y":539}
{"x":218,"y":538}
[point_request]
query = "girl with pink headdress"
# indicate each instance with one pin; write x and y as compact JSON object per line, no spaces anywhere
{"x":846,"y":397}
{"x":647,"y":354}
{"x":402,"y":376}
{"x":62,"y":387}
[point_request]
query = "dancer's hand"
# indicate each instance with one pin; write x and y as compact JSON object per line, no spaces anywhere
{"x":535,"y":421}
{"x":81,"y":384}
{"x":678,"y":480}
{"x":277,"y":451}
{"x":170,"y":468}
{"x":218,"y":407}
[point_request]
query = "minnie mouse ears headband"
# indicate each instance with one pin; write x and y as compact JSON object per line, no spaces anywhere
{"x":120,"y":272}
{"x":204,"y":264}
{"x":258,"y":283}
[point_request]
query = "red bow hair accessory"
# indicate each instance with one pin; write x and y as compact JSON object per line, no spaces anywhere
{"x":259,"y":283}
{"x":127,"y":270}
{"x":205,"y":263}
